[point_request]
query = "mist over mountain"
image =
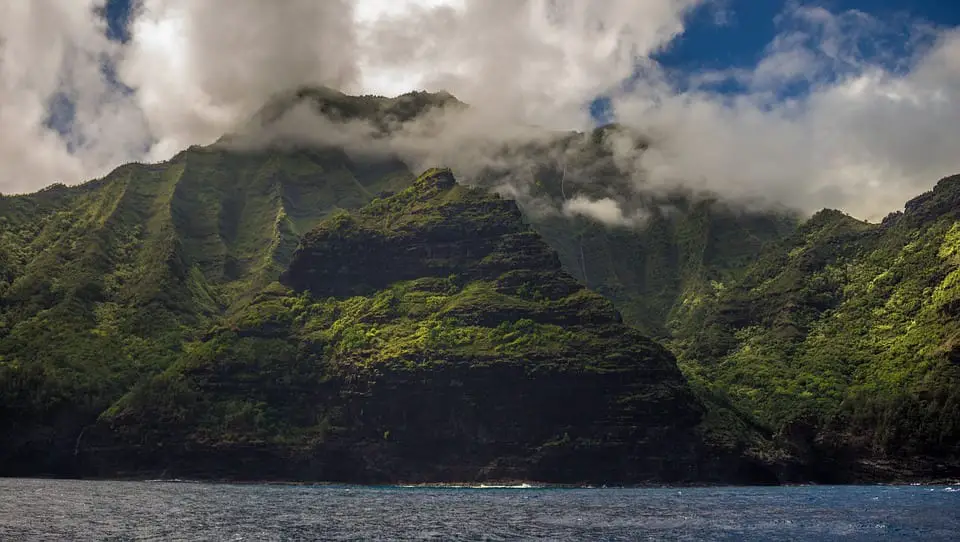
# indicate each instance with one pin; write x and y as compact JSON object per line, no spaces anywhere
{"x":831,"y":113}
{"x":639,"y":243}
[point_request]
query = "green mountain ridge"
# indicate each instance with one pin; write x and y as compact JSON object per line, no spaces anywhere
{"x":655,"y":273}
{"x":430,"y":336}
{"x":843,"y":337}
{"x":142,"y":309}
{"x":108,"y":280}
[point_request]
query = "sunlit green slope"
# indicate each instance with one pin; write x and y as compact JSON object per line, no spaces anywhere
{"x":845,"y":337}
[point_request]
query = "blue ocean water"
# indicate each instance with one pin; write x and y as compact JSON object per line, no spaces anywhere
{"x":99,"y":510}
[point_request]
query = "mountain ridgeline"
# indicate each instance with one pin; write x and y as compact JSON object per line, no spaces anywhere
{"x":844,"y":337}
{"x":109,"y":282}
{"x":429,"y":336}
{"x":301,"y":312}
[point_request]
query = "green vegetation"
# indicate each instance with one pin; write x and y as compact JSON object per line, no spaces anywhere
{"x":659,"y":274}
{"x":847,"y":330}
{"x":103,"y":284}
{"x":304,"y":313}
{"x":430,"y":333}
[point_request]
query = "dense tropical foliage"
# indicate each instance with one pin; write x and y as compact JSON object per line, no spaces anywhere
{"x":319,"y":311}
{"x":844,"y":336}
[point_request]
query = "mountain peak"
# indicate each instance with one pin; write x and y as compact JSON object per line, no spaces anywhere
{"x":340,"y":107}
{"x":434,"y":228}
{"x":831,"y":217}
{"x":943,"y":200}
{"x":439,"y":178}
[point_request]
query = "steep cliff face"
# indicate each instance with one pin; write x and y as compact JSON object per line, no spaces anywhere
{"x":430,"y":336}
{"x":102,"y":284}
{"x":658,"y":273}
{"x":843,"y":338}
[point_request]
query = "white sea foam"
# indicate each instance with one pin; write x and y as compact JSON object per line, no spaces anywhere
{"x":509,"y":486}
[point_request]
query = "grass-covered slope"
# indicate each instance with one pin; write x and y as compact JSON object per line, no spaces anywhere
{"x":430,"y":336}
{"x":101,"y":284}
{"x":845,"y":336}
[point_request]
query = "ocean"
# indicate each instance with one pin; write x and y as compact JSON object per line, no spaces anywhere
{"x":110,"y":510}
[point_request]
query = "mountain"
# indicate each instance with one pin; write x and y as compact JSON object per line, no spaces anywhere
{"x":665,"y":249}
{"x":384,"y":112}
{"x":429,"y":336}
{"x":103,"y":285}
{"x":844,"y":338}
{"x":280,"y":307}
{"x":654,"y":270}
{"x":657,"y":273}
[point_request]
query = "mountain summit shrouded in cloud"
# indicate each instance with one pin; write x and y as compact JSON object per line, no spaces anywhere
{"x":841,"y":108}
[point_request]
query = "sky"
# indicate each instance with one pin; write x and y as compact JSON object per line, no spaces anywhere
{"x":850,"y":104}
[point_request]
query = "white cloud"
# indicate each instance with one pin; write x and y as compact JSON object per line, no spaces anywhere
{"x":605,"y":210}
{"x":880,"y":122}
{"x":201,"y":67}
{"x":864,"y":141}
{"x":48,"y":47}
{"x":533,"y":60}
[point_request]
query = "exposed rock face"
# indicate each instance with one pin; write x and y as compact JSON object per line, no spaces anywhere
{"x":430,"y":336}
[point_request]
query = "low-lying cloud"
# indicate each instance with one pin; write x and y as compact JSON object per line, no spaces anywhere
{"x":605,"y":210}
{"x":840,"y":112}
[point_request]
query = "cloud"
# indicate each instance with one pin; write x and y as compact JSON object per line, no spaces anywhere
{"x":192,"y":70}
{"x":535,"y":60}
{"x":867,"y":134}
{"x":842,"y":110}
{"x":56,"y":52}
{"x":604,"y":210}
{"x":201,"y":67}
